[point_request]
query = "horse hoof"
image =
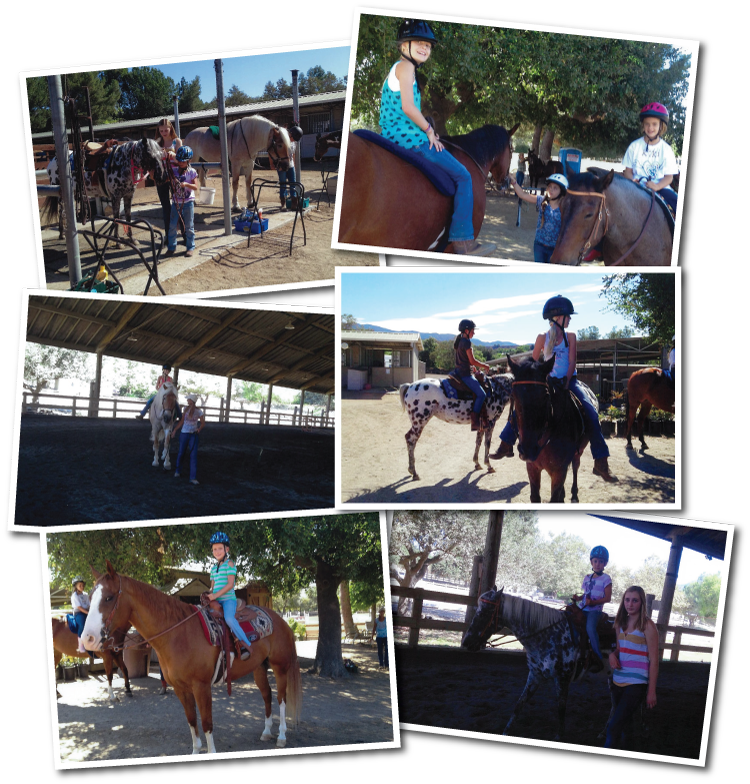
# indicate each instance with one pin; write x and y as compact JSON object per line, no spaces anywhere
{"x":266,"y":737}
{"x":415,"y":477}
{"x":490,"y":470}
{"x":280,"y":744}
{"x":129,"y":694}
{"x":155,"y":464}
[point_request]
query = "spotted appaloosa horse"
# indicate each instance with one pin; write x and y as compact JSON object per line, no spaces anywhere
{"x":127,"y":163}
{"x":425,"y":399}
{"x":161,"y":415}
{"x":546,"y":637}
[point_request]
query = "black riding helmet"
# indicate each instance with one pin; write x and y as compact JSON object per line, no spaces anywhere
{"x":414,"y":30}
{"x":466,"y":324}
{"x":557,"y":306}
{"x":296,"y":133}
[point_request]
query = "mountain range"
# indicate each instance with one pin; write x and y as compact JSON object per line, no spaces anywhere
{"x":440,"y":336}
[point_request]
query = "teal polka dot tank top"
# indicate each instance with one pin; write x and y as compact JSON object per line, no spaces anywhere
{"x":394,"y":124}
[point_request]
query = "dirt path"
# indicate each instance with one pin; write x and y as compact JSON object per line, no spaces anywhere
{"x":374,"y":463}
{"x":356,"y":710}
{"x":456,"y":689}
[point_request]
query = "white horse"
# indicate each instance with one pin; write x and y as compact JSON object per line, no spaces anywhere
{"x":425,"y":398}
{"x":161,"y":415}
{"x":246,"y":137}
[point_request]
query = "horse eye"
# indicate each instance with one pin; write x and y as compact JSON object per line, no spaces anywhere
{"x":590,"y":215}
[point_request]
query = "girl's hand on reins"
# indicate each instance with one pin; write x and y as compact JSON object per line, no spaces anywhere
{"x":434,"y":140}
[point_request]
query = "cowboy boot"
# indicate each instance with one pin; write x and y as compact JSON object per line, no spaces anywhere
{"x":283,"y":204}
{"x":475,"y":422}
{"x":473,"y":248}
{"x":601,"y":468}
{"x":504,"y":450}
{"x":294,"y":203}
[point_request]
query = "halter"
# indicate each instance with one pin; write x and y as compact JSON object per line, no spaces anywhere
{"x":273,"y":156}
{"x":604,"y":213}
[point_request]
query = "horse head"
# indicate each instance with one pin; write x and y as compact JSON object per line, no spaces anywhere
{"x":168,"y":400}
{"x":280,"y":148}
{"x":533,"y":405}
{"x":109,"y":611}
{"x":149,"y":156}
{"x":486,"y":620}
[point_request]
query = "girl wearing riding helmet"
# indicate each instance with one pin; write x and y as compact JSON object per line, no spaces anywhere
{"x":402,"y":121}
{"x":597,"y":591}
{"x":184,"y":178}
{"x":635,"y":666}
{"x":561,"y":345}
{"x":81,"y":604}
{"x":288,"y":176}
{"x":548,"y":222}
{"x":165,"y":371}
{"x":464,"y":362}
{"x":223,"y":576}
{"x":649,"y":159}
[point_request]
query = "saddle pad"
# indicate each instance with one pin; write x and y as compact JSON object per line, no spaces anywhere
{"x":436,"y":176}
{"x":450,"y":391}
{"x":259,"y":627}
{"x":210,"y":626}
{"x":214,"y":130}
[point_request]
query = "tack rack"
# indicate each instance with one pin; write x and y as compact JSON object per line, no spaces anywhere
{"x":100,"y":240}
{"x":299,"y":190}
{"x":325,"y":174}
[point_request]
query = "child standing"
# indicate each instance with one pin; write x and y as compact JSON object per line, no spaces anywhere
{"x":464,"y":362}
{"x":289,"y":174}
{"x":548,"y":222}
{"x":183,"y":201}
{"x":597,"y":591}
{"x":402,"y":121}
{"x":223,"y":575}
{"x":635,"y":664}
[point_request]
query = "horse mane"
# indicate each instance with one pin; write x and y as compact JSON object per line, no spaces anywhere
{"x":482,"y":143}
{"x":529,"y":615}
{"x":526,"y":366}
{"x":155,"y":601}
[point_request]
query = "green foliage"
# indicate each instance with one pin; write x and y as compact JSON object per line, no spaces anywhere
{"x":146,"y":92}
{"x":190,"y":95}
{"x":349,"y":322}
{"x":429,"y":352}
{"x":364,"y":595}
{"x":237,"y":97}
{"x":250,"y":391}
{"x":129,"y":384}
{"x":589,"y":333}
{"x":298,"y":629}
{"x":645,"y":299}
{"x":624,"y":332}
{"x":562,"y":562}
{"x":315,"y":81}
{"x":704,"y":594}
{"x":43,"y":364}
{"x":612,"y":414}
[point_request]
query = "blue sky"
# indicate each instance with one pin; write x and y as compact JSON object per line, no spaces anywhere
{"x":505,"y":305}
{"x":626,"y":547}
{"x":251,"y":73}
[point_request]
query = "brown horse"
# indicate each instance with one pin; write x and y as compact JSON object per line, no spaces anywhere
{"x":387,"y":202}
{"x":539,"y":170}
{"x":603,"y":208}
{"x":65,"y":643}
{"x":646,"y":388}
{"x":325,"y":142}
{"x":551,"y":431}
{"x":187,"y":660}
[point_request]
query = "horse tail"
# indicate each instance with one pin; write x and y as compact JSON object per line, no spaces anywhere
{"x":403,"y":389}
{"x":293,"y":688}
{"x":49,"y":211}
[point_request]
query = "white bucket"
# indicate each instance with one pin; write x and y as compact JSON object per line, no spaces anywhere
{"x":206,"y":196}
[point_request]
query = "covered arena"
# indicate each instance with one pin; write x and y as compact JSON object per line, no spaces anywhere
{"x":94,"y":468}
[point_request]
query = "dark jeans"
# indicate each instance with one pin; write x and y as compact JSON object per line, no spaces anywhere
{"x":627,"y":700}
{"x":543,"y":253}
{"x":382,"y":651}
{"x":79,"y":619}
{"x":188,"y":440}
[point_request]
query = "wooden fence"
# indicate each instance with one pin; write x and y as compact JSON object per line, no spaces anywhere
{"x":416,"y":622}
{"x":77,"y":405}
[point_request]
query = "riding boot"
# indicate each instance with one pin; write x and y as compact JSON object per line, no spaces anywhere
{"x":601,"y":468}
{"x":283,"y":203}
{"x":504,"y":450}
{"x":473,"y":248}
{"x":596,"y":664}
{"x":475,"y":424}
{"x":246,"y":651}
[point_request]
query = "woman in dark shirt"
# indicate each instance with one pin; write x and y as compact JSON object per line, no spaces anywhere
{"x":464,"y":361}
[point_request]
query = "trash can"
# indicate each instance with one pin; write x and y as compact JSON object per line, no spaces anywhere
{"x":571,"y":161}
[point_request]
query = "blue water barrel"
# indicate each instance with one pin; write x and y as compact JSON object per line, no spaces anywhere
{"x":571,"y":161}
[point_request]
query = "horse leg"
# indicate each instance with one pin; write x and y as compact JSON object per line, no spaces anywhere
{"x":281,"y":697}
{"x":261,"y":681}
{"x":235,"y":185}
{"x":187,"y":699}
{"x":561,"y":686}
{"x":558,"y":486}
{"x":631,"y":416}
{"x":155,"y":439}
{"x":120,"y":659}
{"x":109,"y":668}
{"x":533,"y":682}
{"x":574,"y":490}
{"x":202,"y":695}
{"x":487,"y":441}
{"x":249,"y":186}
{"x":535,"y":481}
{"x":411,"y":441}
{"x":165,"y":452}
{"x":642,"y":417}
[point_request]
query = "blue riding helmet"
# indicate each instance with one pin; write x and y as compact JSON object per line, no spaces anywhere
{"x":165,"y":366}
{"x":600,"y":552}
{"x":415,"y":30}
{"x":557,"y":306}
{"x":185,"y":153}
{"x":220,"y":538}
{"x":561,"y":180}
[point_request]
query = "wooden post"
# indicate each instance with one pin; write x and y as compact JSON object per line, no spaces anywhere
{"x":328,"y":408}
{"x":261,"y":417}
{"x":294,"y":417}
{"x":491,"y":551}
{"x":114,"y":405}
{"x":221,"y":409}
{"x":670,"y":583}
{"x":75,"y":400}
{"x":229,"y":398}
{"x":416,"y":614}
{"x":476,"y":571}
{"x":268,"y":407}
{"x":675,"y":655}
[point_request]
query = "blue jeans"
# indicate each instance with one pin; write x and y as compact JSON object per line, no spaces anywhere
{"x":230,"y":608}
{"x":670,"y":197}
{"x":145,"y":409}
{"x":187,"y":209}
{"x":284,"y":177}
{"x":191,"y":440}
{"x":382,"y":651}
{"x":594,"y":429}
{"x":476,"y":388}
{"x":592,"y":619}
{"x":520,"y":177}
{"x":543,"y":253}
{"x":627,"y":700}
{"x":462,"y":225}
{"x":79,"y":619}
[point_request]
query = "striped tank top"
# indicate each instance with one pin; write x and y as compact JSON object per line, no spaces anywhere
{"x":633,"y":659}
{"x":220,"y":575}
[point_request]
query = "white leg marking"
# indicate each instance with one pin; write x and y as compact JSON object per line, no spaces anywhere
{"x":111,"y":691}
{"x":281,"y":740}
{"x":210,"y":743}
{"x":196,"y":740}
{"x":267,"y":734}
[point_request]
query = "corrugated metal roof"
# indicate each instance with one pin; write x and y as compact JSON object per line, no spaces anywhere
{"x":369,"y":336}
{"x":225,"y":340}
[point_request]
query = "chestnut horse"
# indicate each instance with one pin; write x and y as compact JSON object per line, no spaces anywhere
{"x":187,"y":659}
{"x":551,"y":430}
{"x":325,"y":142}
{"x":389,"y":203}
{"x":603,"y":208}
{"x":647,"y":388}
{"x":65,"y":643}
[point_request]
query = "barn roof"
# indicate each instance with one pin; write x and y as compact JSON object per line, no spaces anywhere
{"x":248,"y":344}
{"x":709,"y":541}
{"x":381,"y":338}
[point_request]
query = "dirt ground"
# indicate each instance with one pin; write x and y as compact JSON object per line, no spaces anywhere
{"x":80,"y":470}
{"x":217,"y":265}
{"x":355,"y":710}
{"x":375,"y":463}
{"x":477,"y":692}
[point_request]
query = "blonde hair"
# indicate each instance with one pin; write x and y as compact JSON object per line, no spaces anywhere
{"x":551,"y":340}
{"x":172,"y":134}
{"x":621,"y":619}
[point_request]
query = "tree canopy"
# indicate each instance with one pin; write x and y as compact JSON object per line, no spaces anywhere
{"x":586,"y":90}
{"x":316,"y":80}
{"x":646,"y":299}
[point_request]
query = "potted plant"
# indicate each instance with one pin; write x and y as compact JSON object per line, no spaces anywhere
{"x":69,"y":665}
{"x":82,"y":668}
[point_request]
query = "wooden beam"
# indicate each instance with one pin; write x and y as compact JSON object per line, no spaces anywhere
{"x":117,"y":328}
{"x":287,"y":335}
{"x":208,"y":337}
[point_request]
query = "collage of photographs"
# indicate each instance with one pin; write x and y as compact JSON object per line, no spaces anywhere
{"x":319,"y":324}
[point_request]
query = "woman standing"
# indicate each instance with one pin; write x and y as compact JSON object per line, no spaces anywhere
{"x":192,"y":422}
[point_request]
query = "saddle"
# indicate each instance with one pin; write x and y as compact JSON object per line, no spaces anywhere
{"x":462,"y":392}
{"x":576,"y":618}
{"x":96,"y":157}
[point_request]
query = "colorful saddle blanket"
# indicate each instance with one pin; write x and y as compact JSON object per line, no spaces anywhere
{"x":436,"y":176}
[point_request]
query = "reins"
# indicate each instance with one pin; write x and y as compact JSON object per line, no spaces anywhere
{"x":486,"y":175}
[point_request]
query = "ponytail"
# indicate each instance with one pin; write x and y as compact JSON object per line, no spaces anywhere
{"x":457,"y":341}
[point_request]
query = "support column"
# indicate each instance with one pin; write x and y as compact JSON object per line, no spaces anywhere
{"x":302,"y":407}
{"x":175,"y":102}
{"x":268,"y":404}
{"x":491,"y":551}
{"x":328,"y":408}
{"x":414,"y":363}
{"x":229,"y":398}
{"x":295,"y":113}
{"x":476,"y":572}
{"x":219,"y":68}
{"x":670,"y":583}
{"x":97,"y":388}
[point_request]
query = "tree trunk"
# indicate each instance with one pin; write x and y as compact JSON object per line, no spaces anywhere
{"x":373,"y":614}
{"x":545,"y":153}
{"x":346,"y":608}
{"x":535,"y":140}
{"x":440,"y":109}
{"x":328,"y":659}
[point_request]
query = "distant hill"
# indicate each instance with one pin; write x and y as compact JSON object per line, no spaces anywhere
{"x":443,"y":336}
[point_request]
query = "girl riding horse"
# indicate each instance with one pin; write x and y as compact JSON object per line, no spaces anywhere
{"x":81,"y":604}
{"x":402,"y":121}
{"x":597,"y":591}
{"x":464,"y":362}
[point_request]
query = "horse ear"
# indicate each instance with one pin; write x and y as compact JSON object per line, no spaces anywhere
{"x":96,"y":574}
{"x":511,"y":363}
{"x":514,"y":129}
{"x":111,"y":570}
{"x":606,"y":182}
{"x":549,"y":364}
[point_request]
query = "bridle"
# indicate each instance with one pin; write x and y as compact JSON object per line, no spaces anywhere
{"x":604,"y":215}
{"x":273,"y":156}
{"x":494,"y":620}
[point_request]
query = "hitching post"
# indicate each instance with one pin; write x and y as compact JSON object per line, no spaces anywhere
{"x":295,"y":112}
{"x":219,"y":68}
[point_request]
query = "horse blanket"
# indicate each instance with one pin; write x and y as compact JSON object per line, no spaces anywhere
{"x":436,"y":176}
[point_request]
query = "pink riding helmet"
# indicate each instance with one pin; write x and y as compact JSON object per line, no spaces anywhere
{"x":655,"y":110}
